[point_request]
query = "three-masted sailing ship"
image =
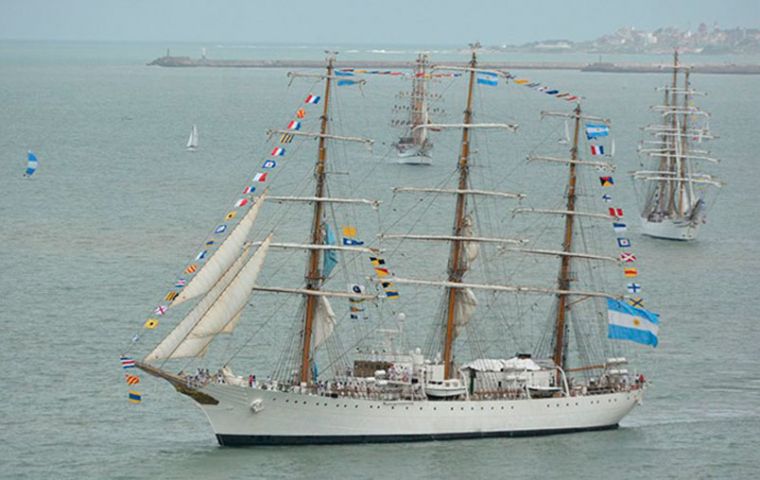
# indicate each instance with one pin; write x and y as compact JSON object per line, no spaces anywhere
{"x":414,"y":145}
{"x":567,"y":382}
{"x":672,"y":189}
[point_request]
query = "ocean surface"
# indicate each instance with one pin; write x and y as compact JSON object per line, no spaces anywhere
{"x":117,"y":206}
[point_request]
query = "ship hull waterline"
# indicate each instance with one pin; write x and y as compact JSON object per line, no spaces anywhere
{"x":250,"y":416}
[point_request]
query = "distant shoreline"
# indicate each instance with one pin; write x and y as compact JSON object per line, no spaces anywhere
{"x":605,"y":67}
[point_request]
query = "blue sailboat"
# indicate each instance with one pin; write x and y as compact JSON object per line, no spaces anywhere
{"x":32,"y":164}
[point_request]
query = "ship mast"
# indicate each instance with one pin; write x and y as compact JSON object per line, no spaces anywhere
{"x":419,"y":107}
{"x":314,"y":275}
{"x":456,"y":267}
{"x":673,"y":162}
{"x":683,"y":194}
{"x":563,"y":281}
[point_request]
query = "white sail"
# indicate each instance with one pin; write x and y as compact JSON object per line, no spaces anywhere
{"x":224,"y":313}
{"x":225,"y":256}
{"x":324,"y":321}
{"x":464,"y":309}
{"x":168,"y":346}
{"x":192,"y":141}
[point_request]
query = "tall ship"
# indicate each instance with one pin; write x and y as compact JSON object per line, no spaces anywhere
{"x":414,"y":145}
{"x":503,"y":355}
{"x":673,"y":191}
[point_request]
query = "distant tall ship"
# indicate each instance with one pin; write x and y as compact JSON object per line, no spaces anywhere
{"x":571,"y":378}
{"x":414,"y":145}
{"x":192,"y":140}
{"x":673,"y":191}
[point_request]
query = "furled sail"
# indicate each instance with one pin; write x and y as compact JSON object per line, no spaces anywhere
{"x":471,"y":249}
{"x":224,"y":257}
{"x":325,"y":321}
{"x":218,"y":312}
{"x":465,"y":307}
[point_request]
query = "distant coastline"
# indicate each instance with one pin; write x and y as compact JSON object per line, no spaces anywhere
{"x":606,"y":67}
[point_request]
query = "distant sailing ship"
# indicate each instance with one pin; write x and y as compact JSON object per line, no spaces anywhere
{"x":573,"y":381}
{"x":192,"y":141}
{"x":414,"y":146}
{"x":673,"y":191}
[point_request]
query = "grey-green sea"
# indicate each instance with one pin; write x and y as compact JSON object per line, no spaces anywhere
{"x":118,"y":206}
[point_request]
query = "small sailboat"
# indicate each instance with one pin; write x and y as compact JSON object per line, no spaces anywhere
{"x":192,"y":141}
{"x":31,"y":164}
{"x":413,"y":148}
{"x":673,"y":192}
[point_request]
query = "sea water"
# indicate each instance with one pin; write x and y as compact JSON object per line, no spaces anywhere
{"x":118,"y":205}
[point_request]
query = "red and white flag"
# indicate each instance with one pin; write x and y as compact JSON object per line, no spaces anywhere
{"x":260,"y":177}
{"x":241,"y":203}
{"x":627,"y":257}
{"x":616,"y":212}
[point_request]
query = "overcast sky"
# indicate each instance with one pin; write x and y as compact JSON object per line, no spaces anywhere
{"x":447,"y":22}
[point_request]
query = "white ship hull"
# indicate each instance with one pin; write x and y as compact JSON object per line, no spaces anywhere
{"x":291,"y":418}
{"x":670,"y":229}
{"x":413,"y":155}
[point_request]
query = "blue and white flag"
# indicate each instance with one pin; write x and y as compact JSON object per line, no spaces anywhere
{"x":352,"y":242}
{"x":595,"y":130}
{"x":635,"y":324}
{"x":488,"y":78}
{"x":345,"y":82}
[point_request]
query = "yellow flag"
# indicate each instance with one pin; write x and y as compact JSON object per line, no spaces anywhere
{"x":171,"y":296}
{"x":151,"y":323}
{"x":231,"y":215}
{"x":521,"y":81}
{"x":349,"y":231}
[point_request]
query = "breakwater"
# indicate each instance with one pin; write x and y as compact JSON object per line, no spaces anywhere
{"x":733,"y":69}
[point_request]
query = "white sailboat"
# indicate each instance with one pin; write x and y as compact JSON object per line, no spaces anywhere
{"x":571,"y":384}
{"x":192,"y":140}
{"x":673,"y":191}
{"x":413,"y":147}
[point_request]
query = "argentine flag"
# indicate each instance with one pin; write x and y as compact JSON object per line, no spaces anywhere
{"x":595,"y":130}
{"x":634,"y":324}
{"x":488,"y":78}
